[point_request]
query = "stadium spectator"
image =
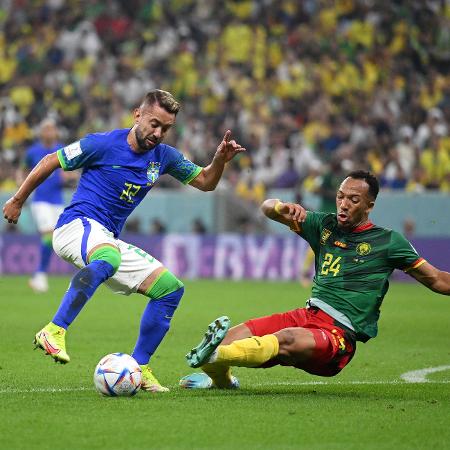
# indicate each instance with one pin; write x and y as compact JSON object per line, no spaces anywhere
{"x":337,"y":74}
{"x":158,"y":227}
{"x":198,"y":226}
{"x":47,"y":203}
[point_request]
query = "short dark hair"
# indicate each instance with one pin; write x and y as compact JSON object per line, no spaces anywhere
{"x":371,"y":180}
{"x":163,"y":98}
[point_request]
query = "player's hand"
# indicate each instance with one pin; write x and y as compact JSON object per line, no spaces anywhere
{"x":291,"y":211}
{"x":12,"y":209}
{"x":228,"y":149}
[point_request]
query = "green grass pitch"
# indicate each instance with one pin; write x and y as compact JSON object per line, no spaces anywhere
{"x":367,"y":406}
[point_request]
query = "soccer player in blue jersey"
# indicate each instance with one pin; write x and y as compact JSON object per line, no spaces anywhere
{"x":47,"y":203}
{"x":119,"y":169}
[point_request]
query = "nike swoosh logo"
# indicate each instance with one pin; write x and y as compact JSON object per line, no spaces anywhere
{"x":167,"y":317}
{"x":48,"y":347}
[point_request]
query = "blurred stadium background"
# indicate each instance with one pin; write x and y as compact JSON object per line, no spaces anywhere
{"x":312,"y":88}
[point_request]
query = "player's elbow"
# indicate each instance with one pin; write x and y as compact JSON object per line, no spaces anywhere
{"x":203,"y":182}
{"x":209,"y":187}
{"x":267,"y":208}
{"x":205,"y":187}
{"x":50,"y":162}
{"x":441,"y":286}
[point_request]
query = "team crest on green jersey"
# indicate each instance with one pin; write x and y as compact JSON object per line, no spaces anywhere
{"x":363,"y":248}
{"x":325,"y":235}
{"x":153,"y":171}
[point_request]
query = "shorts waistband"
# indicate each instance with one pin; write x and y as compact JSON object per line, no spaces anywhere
{"x":351,"y":334}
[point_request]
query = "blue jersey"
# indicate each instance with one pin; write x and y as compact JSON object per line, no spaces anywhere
{"x":50,"y":190}
{"x":115,"y":179}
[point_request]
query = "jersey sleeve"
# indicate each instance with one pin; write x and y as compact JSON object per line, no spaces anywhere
{"x":402,"y":255}
{"x":83,"y":153}
{"x":311,"y":228}
{"x":181,"y":168}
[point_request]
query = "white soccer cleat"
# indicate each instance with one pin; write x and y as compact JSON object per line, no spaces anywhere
{"x":39,"y":283}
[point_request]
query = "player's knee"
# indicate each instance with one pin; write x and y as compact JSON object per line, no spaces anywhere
{"x":109,"y":254}
{"x":165,"y":295}
{"x":167,"y":283}
{"x":286,"y":339}
{"x":295,"y":343}
{"x":237,"y":333}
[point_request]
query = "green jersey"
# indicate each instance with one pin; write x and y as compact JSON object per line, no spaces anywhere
{"x":353,"y":268}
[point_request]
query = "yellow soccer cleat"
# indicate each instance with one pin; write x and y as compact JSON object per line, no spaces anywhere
{"x":149,"y":381}
{"x":52,"y":339}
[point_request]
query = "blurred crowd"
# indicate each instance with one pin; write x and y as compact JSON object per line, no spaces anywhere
{"x":312,"y":88}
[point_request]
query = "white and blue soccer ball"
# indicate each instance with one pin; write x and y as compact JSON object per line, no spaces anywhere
{"x":118,"y":375}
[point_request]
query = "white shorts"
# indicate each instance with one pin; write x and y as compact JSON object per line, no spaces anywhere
{"x":73,"y":242}
{"x":45,"y":215}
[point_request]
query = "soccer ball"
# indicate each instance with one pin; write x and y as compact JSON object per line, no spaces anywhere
{"x":117,"y":375}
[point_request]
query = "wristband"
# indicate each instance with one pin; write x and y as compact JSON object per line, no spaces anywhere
{"x":277,"y":207}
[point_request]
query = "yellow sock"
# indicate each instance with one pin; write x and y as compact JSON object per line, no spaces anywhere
{"x":221,"y":375}
{"x":249,"y":352}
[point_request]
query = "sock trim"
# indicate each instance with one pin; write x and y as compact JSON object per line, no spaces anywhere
{"x":107,"y":253}
{"x":165,"y":283}
{"x":148,"y":291}
{"x":47,"y":240}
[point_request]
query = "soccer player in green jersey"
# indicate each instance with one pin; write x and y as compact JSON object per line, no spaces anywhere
{"x":354,"y":259}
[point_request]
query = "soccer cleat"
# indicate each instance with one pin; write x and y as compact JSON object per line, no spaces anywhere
{"x":215,"y":334}
{"x":203,"y":381}
{"x":196,"y":381}
{"x":149,"y":381}
{"x":52,"y":339}
{"x":39,"y":283}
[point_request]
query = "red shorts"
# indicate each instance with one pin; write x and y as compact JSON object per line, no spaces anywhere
{"x":335,"y":346}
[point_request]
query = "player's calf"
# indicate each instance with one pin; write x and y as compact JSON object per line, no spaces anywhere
{"x":165,"y":295}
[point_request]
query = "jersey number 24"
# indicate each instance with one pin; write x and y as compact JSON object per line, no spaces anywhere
{"x":330,"y":264}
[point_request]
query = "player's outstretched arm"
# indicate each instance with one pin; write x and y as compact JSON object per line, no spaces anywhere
{"x":290,"y":214}
{"x":209,"y":177}
{"x":433,"y":278}
{"x":46,"y":166}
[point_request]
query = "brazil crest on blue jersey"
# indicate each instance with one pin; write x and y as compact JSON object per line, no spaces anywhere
{"x":50,"y":190}
{"x":115,"y":179}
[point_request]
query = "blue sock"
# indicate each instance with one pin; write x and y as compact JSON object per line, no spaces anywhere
{"x":155,"y":323}
{"x":45,"y":254}
{"x":81,"y":289}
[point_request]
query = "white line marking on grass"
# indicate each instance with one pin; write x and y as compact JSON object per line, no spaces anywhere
{"x":269,"y":384}
{"x":420,"y":376}
{"x":44,"y":390}
{"x":339,"y":383}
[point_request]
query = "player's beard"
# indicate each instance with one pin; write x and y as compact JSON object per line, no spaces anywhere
{"x":142,"y":141}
